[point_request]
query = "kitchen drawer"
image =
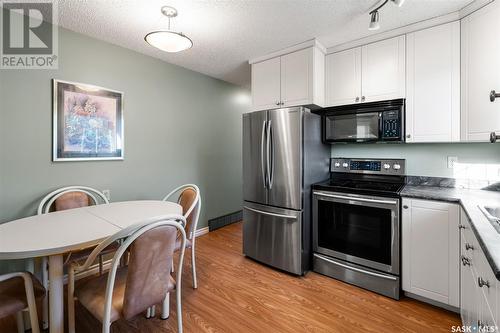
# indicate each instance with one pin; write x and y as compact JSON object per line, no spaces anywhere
{"x":465,"y":227}
{"x":466,"y":251}
{"x":485,"y":274}
{"x":486,"y":321}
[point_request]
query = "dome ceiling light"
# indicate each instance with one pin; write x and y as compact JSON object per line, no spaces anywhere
{"x":375,"y":16}
{"x":168,"y":40}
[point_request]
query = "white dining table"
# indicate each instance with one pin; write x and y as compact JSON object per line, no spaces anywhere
{"x":54,"y":234}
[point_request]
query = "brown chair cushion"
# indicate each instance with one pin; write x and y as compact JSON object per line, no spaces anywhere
{"x":13,"y":295}
{"x":91,"y":294}
{"x":71,"y":200}
{"x":149,"y":267}
{"x":186,"y":199}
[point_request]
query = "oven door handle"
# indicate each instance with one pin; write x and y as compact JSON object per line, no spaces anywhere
{"x":359,"y":270}
{"x":345,"y":197}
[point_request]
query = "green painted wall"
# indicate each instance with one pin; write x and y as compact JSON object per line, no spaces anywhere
{"x":180,"y":127}
{"x":424,"y":159}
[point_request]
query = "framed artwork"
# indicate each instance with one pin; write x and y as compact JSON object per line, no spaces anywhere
{"x":87,"y":122}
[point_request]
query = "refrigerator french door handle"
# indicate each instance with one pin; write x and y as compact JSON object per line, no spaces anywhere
{"x":271,"y":214}
{"x":262,"y":155}
{"x":270,"y":154}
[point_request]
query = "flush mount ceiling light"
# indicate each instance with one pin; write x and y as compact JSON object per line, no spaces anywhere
{"x":375,"y":16}
{"x":168,"y":40}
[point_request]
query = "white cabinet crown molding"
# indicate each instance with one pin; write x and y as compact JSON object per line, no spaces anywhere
{"x":291,"y":49}
{"x":455,"y":16}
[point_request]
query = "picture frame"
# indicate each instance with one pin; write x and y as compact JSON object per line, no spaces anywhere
{"x":87,"y":122}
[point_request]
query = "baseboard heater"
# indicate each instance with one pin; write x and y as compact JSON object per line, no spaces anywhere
{"x":222,"y":221}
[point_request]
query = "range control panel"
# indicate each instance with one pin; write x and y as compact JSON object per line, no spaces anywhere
{"x":370,"y":166}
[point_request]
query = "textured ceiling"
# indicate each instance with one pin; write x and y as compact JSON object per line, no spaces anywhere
{"x":227,"y":33}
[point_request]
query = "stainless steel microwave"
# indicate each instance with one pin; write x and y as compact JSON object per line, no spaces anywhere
{"x":369,"y":122}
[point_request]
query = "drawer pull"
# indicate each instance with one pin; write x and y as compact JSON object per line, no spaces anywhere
{"x":494,"y":95}
{"x":461,"y":226}
{"x":465,"y":261}
{"x":469,"y":247}
{"x":482,"y":283}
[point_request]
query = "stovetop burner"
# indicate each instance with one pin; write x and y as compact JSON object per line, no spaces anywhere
{"x":369,"y":177}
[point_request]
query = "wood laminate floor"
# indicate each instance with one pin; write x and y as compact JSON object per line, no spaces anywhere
{"x":237,"y":294}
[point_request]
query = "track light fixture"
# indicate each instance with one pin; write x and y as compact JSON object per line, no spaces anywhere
{"x":375,"y":16}
{"x":374,"y":25}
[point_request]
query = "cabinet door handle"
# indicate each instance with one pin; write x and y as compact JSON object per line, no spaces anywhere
{"x":468,"y":246}
{"x":494,"y":95}
{"x":465,"y":261}
{"x":405,"y":206}
{"x":494,"y":137}
{"x":461,"y":226}
{"x":482,"y":283}
{"x":363,"y":98}
{"x":357,"y":99}
{"x":278,"y":103}
{"x":408,"y":136}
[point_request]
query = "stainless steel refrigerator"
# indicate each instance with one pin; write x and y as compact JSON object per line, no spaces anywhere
{"x":282,"y":156}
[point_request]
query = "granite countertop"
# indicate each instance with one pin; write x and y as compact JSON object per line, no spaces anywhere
{"x":469,"y":199}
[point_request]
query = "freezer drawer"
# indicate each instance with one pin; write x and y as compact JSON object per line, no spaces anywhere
{"x":273,"y":236}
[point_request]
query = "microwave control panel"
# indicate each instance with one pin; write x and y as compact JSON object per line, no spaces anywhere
{"x":391,"y":125}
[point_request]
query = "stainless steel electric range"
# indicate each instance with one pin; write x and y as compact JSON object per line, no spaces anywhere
{"x":356,"y":223}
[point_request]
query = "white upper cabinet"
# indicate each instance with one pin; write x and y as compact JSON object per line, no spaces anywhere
{"x":480,"y":73}
{"x":266,"y":84}
{"x":383,"y":70}
{"x":343,"y":77}
{"x":374,"y":72}
{"x":295,"y":86}
{"x":433,"y":84}
{"x":430,"y":246}
{"x":293,"y":79}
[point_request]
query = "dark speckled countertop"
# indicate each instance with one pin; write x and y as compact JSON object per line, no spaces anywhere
{"x":469,"y":199}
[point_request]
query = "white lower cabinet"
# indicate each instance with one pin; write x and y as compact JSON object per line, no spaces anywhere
{"x":430,"y":248}
{"x":479,"y":287}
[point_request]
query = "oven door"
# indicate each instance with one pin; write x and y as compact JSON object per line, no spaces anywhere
{"x":358,"y":229}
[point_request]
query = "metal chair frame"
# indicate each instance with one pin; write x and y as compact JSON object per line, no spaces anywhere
{"x":129,"y":235}
{"x":194,"y":209}
{"x":44,"y":208}
{"x":30,"y":298}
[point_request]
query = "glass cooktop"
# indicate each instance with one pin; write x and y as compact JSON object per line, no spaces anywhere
{"x":374,"y":185}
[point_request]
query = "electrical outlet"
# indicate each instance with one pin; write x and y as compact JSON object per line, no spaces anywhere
{"x":107,"y":194}
{"x":451,"y":161}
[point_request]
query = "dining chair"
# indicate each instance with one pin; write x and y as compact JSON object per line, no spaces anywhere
{"x":62,"y":199}
{"x":126,"y":291}
{"x":18,"y":292}
{"x":188,"y":196}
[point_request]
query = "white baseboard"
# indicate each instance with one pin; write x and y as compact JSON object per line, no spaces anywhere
{"x":201,"y":232}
